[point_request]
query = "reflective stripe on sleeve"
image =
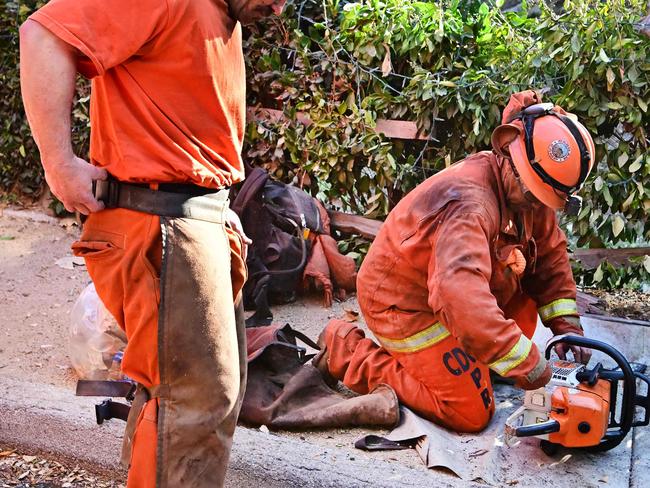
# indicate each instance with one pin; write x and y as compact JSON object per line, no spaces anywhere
{"x":558,"y":308}
{"x":423,"y":339}
{"x":514,"y":358}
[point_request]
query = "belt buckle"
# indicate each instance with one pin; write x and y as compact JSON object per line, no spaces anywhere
{"x":107,"y":191}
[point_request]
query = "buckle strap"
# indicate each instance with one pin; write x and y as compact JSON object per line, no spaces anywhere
{"x":109,"y":409}
{"x":142,"y":396}
{"x":210,"y":207}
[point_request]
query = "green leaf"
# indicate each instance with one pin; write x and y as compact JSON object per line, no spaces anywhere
{"x":622,"y":159}
{"x":21,"y":150}
{"x":608,"y":196}
{"x":636,"y":165}
{"x":618,"y":224}
{"x":628,"y":201}
{"x":603,"y":56}
{"x":614,"y":106}
{"x":575,"y":43}
{"x":7,"y":238}
{"x":598,"y":183}
{"x":646,"y":263}
{"x":598,"y":275}
{"x":610,"y":79}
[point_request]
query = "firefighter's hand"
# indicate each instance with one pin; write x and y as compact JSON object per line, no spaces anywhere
{"x":71,"y":182}
{"x":569,"y":325}
{"x":580,"y":354}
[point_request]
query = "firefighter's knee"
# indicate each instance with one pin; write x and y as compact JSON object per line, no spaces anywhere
{"x":470,"y":416}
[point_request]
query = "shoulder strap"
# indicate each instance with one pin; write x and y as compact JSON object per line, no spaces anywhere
{"x":253,"y":183}
{"x":299,"y":335}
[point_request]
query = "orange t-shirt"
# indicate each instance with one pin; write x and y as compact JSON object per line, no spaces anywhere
{"x":168,"y":86}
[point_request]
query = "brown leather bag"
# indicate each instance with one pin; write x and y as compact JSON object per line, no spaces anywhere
{"x":284,"y":391}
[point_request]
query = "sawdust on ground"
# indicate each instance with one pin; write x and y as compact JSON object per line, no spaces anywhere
{"x":627,"y":304}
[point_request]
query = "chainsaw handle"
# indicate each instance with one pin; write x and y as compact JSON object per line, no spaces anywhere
{"x":533,"y":430}
{"x":612,"y":438}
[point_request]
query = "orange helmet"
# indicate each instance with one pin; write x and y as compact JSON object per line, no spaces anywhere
{"x":553,"y":155}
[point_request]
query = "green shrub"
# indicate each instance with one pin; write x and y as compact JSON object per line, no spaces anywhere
{"x":20,"y":168}
{"x":451,"y":66}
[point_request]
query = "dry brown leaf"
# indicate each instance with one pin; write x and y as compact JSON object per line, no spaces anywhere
{"x":350,"y":315}
{"x":7,"y":453}
{"x":386,"y":66}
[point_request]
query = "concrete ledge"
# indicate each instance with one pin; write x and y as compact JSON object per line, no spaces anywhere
{"x":48,"y":419}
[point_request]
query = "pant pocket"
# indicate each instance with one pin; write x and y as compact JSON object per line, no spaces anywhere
{"x":92,"y":249}
{"x":97,"y":244}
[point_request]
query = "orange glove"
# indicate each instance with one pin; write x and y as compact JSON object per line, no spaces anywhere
{"x":539,"y":376}
{"x":569,"y":324}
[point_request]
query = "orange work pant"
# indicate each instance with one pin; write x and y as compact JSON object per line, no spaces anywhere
{"x":123,"y":252}
{"x":442,"y":383}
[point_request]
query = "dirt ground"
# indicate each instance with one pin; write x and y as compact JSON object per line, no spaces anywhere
{"x":36,"y":296}
{"x":35,"y":291}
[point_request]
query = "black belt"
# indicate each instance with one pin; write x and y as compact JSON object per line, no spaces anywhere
{"x":170,"y":200}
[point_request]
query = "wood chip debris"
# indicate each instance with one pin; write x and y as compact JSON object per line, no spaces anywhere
{"x":561,"y":461}
{"x":22,"y":470}
{"x":350,"y":315}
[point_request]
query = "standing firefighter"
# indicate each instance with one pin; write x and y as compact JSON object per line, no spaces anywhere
{"x":454,"y":281}
{"x":161,"y":246}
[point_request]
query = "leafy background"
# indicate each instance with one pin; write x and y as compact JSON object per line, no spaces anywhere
{"x":448,"y":65}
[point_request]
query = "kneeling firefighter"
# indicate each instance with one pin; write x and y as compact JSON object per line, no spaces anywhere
{"x":458,"y":273}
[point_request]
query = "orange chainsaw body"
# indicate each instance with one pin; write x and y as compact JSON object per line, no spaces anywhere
{"x":589,"y":408}
{"x":582,"y":412}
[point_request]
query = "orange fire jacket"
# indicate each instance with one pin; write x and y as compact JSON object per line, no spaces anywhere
{"x":443,"y":261}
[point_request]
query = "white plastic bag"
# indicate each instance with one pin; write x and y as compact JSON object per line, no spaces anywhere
{"x":96,"y":341}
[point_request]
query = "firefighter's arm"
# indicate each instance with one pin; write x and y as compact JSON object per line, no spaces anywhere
{"x":551,"y":284}
{"x":47,"y":78}
{"x":459,"y":291}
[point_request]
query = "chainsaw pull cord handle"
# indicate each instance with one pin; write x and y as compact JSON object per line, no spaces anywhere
{"x":612,"y":437}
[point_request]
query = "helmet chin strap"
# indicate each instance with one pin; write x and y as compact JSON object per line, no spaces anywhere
{"x":527,"y":195}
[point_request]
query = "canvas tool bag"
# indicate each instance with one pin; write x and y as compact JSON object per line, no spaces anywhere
{"x":279,"y":219}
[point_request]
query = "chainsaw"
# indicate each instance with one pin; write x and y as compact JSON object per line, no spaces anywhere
{"x":592,"y":409}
